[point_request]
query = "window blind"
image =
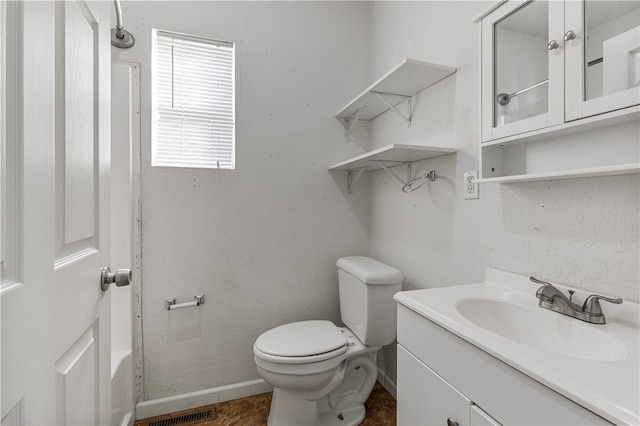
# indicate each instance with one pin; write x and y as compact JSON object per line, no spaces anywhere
{"x":194,"y":105}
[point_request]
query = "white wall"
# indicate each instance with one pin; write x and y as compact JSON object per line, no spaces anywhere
{"x":581,"y":232}
{"x":261,"y":241}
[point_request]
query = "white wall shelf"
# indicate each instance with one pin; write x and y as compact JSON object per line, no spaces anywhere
{"x":400,"y":84}
{"x":613,"y":118}
{"x":386,"y":157}
{"x":595,"y":146}
{"x":395,"y":153}
{"x":623,"y":169}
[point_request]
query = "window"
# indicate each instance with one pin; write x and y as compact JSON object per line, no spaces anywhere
{"x":194,"y":102}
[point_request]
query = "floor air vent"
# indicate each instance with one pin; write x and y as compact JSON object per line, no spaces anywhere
{"x":185,"y":419}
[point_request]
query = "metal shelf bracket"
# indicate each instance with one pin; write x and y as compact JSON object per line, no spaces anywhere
{"x":351,"y":180}
{"x":392,"y":173}
{"x":405,"y":118}
{"x":408,"y":184}
{"x":349,"y":122}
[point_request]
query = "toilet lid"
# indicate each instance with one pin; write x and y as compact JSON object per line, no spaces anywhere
{"x":302,"y":339}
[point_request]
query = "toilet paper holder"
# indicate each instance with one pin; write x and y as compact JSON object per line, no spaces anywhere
{"x":170,"y":304}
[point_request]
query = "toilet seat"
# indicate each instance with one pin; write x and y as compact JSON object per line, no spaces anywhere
{"x":301,"y":342}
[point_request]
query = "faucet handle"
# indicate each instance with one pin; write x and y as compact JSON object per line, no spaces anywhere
{"x":537,"y":281}
{"x":542,"y":292}
{"x":591,"y":305}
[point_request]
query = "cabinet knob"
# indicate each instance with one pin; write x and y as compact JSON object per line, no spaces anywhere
{"x":451,"y":422}
{"x":569,"y":35}
{"x":553,"y":45}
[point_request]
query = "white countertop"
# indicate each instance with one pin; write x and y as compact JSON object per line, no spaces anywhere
{"x":610,"y":389}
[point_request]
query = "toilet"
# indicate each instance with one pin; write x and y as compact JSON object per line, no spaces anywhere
{"x":322,"y":374}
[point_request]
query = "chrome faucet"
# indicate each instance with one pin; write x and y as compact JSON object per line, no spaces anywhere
{"x":553,"y":299}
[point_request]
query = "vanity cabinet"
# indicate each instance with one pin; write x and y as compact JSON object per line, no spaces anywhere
{"x":425,"y":398}
{"x":418,"y":380}
{"x":557,"y":68}
{"x":444,"y":379}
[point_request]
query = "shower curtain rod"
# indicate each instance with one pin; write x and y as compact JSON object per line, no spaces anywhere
{"x":119,"y":36}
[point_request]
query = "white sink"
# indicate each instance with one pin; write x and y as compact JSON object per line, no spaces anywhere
{"x":543,"y":330}
{"x":596,"y":366}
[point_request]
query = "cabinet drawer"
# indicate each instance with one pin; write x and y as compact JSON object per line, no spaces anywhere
{"x":508,"y":395}
{"x":424,"y":398}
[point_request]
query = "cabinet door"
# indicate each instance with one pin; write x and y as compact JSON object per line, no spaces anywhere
{"x":478,"y":417}
{"x":424,"y":398}
{"x":522,"y":68}
{"x":603,"y":57}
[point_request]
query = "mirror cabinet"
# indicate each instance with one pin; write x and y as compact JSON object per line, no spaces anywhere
{"x":557,"y":68}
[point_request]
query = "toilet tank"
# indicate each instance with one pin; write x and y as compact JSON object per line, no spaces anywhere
{"x":366,"y":298}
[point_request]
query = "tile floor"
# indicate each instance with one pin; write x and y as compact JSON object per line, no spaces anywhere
{"x":254,"y":410}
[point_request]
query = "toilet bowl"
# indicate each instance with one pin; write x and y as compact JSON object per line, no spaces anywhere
{"x":322,"y":374}
{"x":323,"y":384}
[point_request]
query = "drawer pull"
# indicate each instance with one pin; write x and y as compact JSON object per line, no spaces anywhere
{"x":451,"y":422}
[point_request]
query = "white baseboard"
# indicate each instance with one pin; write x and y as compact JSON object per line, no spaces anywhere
{"x":186,"y":401}
{"x":387,"y":382}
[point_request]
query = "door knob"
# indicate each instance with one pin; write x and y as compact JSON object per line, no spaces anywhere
{"x":553,"y":45}
{"x":569,"y":35}
{"x":120,"y":278}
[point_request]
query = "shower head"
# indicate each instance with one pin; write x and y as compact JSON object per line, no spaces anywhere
{"x":119,"y":36}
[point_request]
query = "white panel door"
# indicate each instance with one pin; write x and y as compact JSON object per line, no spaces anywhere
{"x":55,"y":317}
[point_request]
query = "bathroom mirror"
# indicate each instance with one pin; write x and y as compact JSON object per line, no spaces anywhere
{"x":521,"y":69}
{"x":612,"y":46}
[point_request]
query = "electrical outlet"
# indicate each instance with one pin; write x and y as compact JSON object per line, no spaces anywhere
{"x":471,"y":191}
